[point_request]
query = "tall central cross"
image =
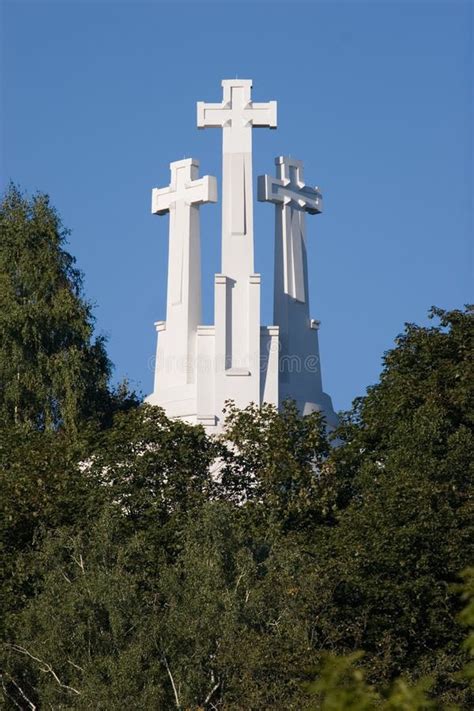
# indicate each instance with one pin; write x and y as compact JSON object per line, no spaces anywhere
{"x":293,"y":198}
{"x":237,"y":115}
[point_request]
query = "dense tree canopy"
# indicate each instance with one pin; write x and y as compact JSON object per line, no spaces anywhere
{"x":149,"y":566}
{"x":52,"y":370}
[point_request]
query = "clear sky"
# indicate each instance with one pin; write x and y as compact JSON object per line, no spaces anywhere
{"x":374,"y":97}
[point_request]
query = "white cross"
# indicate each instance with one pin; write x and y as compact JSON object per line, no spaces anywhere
{"x":237,"y":115}
{"x":289,"y":191}
{"x":185,"y":192}
{"x":289,"y":188}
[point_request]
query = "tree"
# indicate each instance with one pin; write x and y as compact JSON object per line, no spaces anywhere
{"x":400,"y":491}
{"x":54,"y":390}
{"x":85,"y":637}
{"x":467,"y":620}
{"x":340,"y":682}
{"x":165,"y":569}
{"x":52,"y":370}
{"x":270,"y":460}
{"x":341,"y":686}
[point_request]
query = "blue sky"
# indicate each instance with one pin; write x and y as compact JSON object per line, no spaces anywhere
{"x":375,"y":98}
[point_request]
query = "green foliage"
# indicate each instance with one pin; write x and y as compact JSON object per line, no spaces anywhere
{"x":52,"y":371}
{"x":401,"y":488}
{"x":41,"y":489}
{"x":467,"y":619}
{"x":167,"y":571}
{"x":341,"y":686}
{"x":271,"y":459}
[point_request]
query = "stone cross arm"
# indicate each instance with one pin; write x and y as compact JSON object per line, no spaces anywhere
{"x":221,"y":115}
{"x":288,"y":188}
{"x":237,"y":108}
{"x":295,"y":198}
{"x":185,"y":187}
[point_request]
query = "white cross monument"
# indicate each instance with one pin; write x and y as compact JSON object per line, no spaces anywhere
{"x":175,"y":371}
{"x":199,"y":367}
{"x":237,"y":115}
{"x":300,"y":372}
